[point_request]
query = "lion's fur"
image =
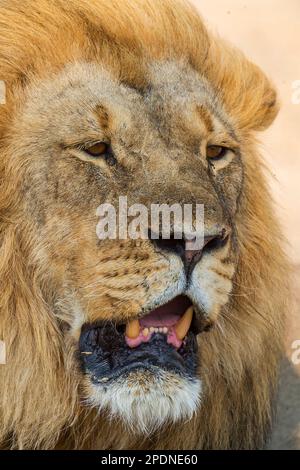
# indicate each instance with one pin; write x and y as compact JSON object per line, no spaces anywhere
{"x":39,"y":404}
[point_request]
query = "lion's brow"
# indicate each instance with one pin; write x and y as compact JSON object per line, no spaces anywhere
{"x":206,"y":118}
{"x":103,"y":116}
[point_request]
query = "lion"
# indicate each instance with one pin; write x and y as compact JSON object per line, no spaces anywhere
{"x":134,"y":343}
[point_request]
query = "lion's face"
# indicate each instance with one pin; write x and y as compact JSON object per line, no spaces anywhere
{"x":87,"y":139}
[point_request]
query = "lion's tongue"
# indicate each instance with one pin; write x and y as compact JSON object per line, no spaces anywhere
{"x":174,"y":318}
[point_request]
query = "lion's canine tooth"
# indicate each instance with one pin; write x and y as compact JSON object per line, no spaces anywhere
{"x":183,"y":325}
{"x":132,"y":329}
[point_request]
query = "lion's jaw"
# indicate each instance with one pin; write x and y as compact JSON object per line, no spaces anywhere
{"x":112,"y":282}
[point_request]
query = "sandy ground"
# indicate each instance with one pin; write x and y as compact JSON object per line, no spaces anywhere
{"x":268,"y":31}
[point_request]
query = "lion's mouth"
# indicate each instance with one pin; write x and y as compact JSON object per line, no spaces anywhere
{"x":172,"y":319}
{"x":165,"y":338}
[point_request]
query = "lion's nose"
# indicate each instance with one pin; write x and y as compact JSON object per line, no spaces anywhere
{"x":187,"y":249}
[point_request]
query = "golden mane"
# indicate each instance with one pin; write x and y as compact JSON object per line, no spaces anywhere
{"x":39,"y":404}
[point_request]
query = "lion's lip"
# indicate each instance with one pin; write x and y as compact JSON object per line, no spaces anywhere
{"x":111,"y":358}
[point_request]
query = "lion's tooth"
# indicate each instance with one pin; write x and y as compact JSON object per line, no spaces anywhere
{"x":145,"y":332}
{"x":183,"y":325}
{"x":132,"y":329}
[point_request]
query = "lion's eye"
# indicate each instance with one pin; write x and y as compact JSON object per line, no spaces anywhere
{"x":216,"y":152}
{"x":97,"y":150}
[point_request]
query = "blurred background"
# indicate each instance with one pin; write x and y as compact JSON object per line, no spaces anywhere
{"x":268,"y":31}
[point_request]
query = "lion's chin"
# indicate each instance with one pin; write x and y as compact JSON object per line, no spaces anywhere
{"x":146,"y":401}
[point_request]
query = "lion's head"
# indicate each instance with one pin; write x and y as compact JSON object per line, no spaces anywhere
{"x":138,"y":100}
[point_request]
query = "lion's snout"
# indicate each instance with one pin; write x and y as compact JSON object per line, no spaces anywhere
{"x":185,"y":247}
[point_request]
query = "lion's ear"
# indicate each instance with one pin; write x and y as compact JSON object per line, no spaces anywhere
{"x":248,"y":95}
